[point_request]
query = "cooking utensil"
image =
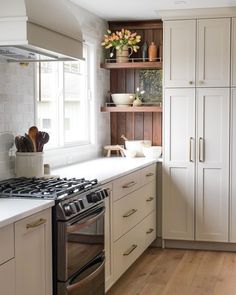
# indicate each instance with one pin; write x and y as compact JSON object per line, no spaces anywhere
{"x":127,"y":153}
{"x":41,"y":139}
{"x":29,"y":144}
{"x":123,"y":137}
{"x":33,"y":130}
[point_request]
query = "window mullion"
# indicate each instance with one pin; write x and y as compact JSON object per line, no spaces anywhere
{"x":61,"y":103}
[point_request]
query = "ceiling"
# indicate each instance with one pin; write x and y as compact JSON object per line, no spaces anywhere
{"x":144,"y":9}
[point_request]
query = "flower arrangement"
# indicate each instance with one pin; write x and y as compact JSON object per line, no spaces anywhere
{"x":119,"y":39}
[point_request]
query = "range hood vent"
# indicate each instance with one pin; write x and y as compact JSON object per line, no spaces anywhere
{"x":39,"y":30}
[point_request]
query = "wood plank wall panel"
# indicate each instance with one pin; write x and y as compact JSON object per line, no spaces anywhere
{"x":135,"y":125}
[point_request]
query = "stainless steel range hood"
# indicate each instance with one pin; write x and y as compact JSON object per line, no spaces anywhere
{"x":39,"y":30}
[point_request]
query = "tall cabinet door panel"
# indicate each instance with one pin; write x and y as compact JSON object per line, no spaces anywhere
{"x":213,"y":165}
{"x":233,"y":169}
{"x":213,"y":53}
{"x":233,"y":52}
{"x":178,"y":166}
{"x":179,"y":53}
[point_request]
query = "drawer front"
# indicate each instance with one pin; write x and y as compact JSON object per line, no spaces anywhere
{"x":148,"y":193}
{"x":127,"y":212}
{"x":148,"y":174}
{"x":126,"y":185}
{"x":7,"y":278}
{"x":7,"y":243}
{"x":126,"y":250}
{"x":149,"y":229}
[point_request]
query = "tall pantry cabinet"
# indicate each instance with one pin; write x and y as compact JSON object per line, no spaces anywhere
{"x":196,"y":129}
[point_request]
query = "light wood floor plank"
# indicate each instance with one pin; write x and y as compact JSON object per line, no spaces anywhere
{"x":179,"y":272}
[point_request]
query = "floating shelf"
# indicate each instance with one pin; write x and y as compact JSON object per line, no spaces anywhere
{"x":141,"y":109}
{"x":133,"y":65}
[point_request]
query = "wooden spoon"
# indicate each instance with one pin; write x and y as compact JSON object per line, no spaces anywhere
{"x":32,"y":134}
{"x":123,"y":137}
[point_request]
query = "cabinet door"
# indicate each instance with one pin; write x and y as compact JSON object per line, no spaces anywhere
{"x":213,"y":165}
{"x":7,"y":278}
{"x":178,"y":164}
{"x":233,"y":52}
{"x":33,"y":254}
{"x":213,"y":53}
{"x":179,"y":53}
{"x":233,"y":169}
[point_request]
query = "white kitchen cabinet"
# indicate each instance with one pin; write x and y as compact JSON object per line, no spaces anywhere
{"x":213,"y":52}
{"x":7,"y":278}
{"x":212,"y":178}
{"x":178,"y":165}
{"x":132,"y":219}
{"x":179,"y":53}
{"x":233,"y":52}
{"x":7,"y":261}
{"x":232,"y":236}
{"x":198,"y":159}
{"x":33,"y":257}
{"x":202,"y":44}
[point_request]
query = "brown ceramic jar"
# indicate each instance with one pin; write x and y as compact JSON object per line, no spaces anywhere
{"x":152,"y":52}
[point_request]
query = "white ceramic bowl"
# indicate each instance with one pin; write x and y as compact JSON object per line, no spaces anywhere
{"x":123,"y":99}
{"x":152,"y":151}
{"x":137,"y":146}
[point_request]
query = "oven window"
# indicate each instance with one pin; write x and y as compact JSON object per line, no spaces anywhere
{"x":85,"y":240}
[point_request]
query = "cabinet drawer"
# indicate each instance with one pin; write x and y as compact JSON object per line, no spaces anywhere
{"x":149,"y":229}
{"x":127,"y":212}
{"x":131,"y":209}
{"x":148,"y":174}
{"x":126,"y":250}
{"x":7,"y":278}
{"x":7,"y":243}
{"x":126,"y":185}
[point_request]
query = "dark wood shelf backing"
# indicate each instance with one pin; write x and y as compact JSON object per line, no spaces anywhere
{"x":141,"y":109}
{"x":133,"y":65}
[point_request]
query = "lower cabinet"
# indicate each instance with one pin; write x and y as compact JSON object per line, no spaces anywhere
{"x":130,"y":221}
{"x":7,"y":278}
{"x":130,"y":246}
{"x":33,"y":257}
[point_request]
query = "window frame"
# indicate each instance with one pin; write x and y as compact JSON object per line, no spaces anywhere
{"x":91,"y":113}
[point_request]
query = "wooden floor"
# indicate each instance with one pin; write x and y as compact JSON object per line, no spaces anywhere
{"x":179,"y":272}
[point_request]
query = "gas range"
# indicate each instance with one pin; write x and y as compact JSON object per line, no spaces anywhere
{"x":72,"y":196}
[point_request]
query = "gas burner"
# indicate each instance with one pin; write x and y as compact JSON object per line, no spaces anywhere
{"x":52,"y":188}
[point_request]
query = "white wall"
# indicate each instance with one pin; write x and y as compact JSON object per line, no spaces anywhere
{"x":17,"y":103}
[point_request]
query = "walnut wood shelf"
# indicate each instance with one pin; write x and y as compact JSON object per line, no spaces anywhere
{"x":141,"y":109}
{"x":133,"y":65}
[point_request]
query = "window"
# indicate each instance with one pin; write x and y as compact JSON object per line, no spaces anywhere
{"x":63,"y":105}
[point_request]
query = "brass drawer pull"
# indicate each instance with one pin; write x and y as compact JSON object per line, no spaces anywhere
{"x":149,"y":174}
{"x":130,"y":212}
{"x":130,"y":250}
{"x":129,"y":184}
{"x":36,"y":223}
{"x":149,"y":231}
{"x":150,"y":199}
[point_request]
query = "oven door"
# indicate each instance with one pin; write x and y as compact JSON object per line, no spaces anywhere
{"x":79,"y":241}
{"x":90,"y":280}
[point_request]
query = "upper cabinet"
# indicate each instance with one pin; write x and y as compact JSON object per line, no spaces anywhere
{"x":179,"y":53}
{"x":203,"y":45}
{"x":233,"y":52}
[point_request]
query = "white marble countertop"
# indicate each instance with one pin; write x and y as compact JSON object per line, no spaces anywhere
{"x":104,"y":169}
{"x":12,"y":210}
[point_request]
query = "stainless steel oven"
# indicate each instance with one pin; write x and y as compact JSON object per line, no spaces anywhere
{"x":80,"y":253}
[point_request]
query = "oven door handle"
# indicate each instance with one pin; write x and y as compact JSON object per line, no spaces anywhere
{"x":87,"y":279}
{"x":77,"y":226}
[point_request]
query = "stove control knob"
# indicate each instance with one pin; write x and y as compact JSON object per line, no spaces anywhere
{"x":73,"y":208}
{"x":67,"y":210}
{"x":77,"y":205}
{"x":93,"y":197}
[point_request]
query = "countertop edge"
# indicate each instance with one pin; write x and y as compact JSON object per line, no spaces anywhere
{"x":26,"y":213}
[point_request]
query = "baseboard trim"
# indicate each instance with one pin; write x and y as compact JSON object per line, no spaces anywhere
{"x":195,"y":245}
